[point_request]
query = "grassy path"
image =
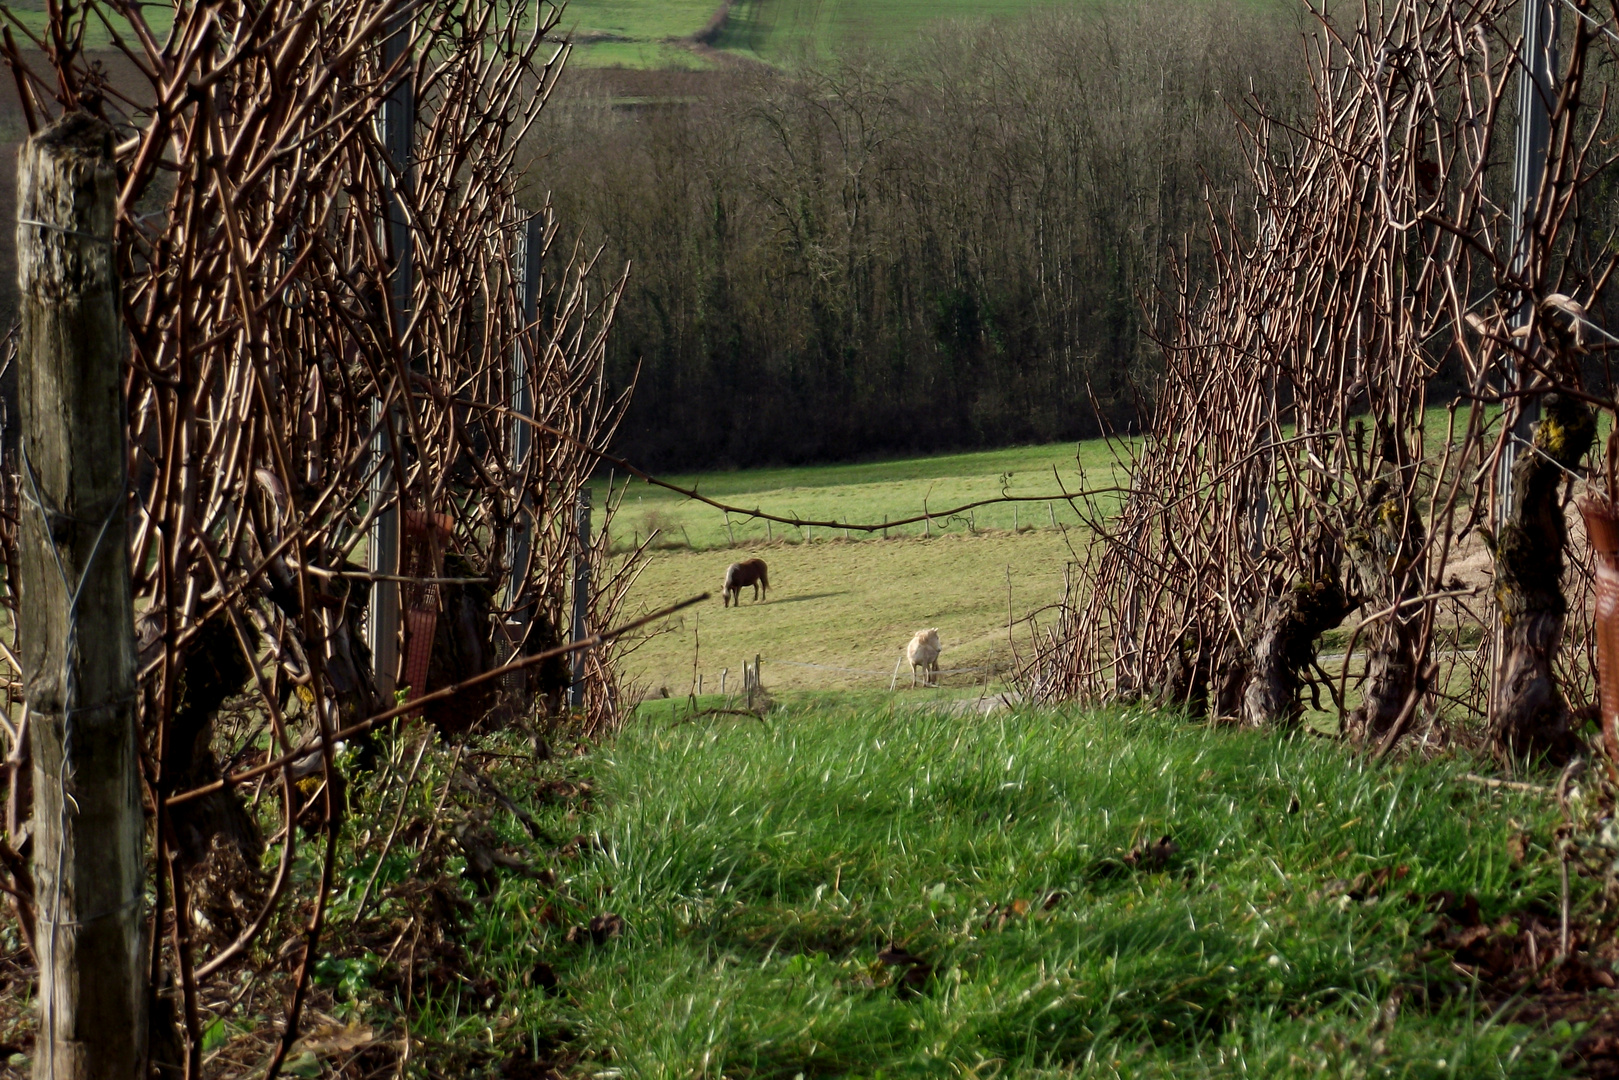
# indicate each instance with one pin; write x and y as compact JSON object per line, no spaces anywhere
{"x":844,"y":893}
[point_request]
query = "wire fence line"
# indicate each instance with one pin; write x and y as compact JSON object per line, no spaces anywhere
{"x":871,"y":671}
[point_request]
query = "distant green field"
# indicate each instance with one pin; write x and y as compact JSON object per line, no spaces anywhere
{"x":649,"y":33}
{"x":33,"y":19}
{"x":870,"y":492}
{"x":657,"y":33}
{"x":635,"y":33}
{"x":786,"y":30}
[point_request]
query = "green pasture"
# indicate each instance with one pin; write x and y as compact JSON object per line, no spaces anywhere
{"x":30,"y":15}
{"x":897,"y":892}
{"x":648,"y":33}
{"x":635,"y":33}
{"x":841,"y":609}
{"x":779,"y":31}
{"x":868,"y":493}
{"x":843,"y":604}
{"x":839,"y":615}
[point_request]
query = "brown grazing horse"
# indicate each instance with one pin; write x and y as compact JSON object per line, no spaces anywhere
{"x":739,"y":575}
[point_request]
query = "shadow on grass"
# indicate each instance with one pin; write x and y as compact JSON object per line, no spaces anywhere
{"x":810,"y":596}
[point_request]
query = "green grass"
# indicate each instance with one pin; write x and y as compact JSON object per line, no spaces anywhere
{"x":760,"y":869}
{"x":788,"y":30}
{"x":852,"y":604}
{"x":839,"y":614}
{"x":635,"y":33}
{"x":869,"y":492}
{"x":31,"y":14}
{"x":644,"y":33}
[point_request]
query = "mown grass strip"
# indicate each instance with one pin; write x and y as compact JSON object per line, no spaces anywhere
{"x":764,"y":871}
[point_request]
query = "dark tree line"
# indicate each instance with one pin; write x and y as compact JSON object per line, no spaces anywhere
{"x":946,"y":250}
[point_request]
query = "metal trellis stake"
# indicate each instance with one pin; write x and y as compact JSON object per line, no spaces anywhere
{"x":581,"y":599}
{"x":531,"y":247}
{"x":76,"y":616}
{"x":1537,"y":90}
{"x":398,"y":126}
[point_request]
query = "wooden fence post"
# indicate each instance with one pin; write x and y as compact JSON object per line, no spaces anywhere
{"x":75,"y":616}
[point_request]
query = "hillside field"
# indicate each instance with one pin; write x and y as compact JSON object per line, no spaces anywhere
{"x":651,"y":33}
{"x":840,"y":610}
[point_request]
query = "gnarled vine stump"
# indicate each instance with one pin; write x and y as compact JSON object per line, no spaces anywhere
{"x":1531,"y":717}
{"x":1282,"y":634}
{"x":1381,"y":549}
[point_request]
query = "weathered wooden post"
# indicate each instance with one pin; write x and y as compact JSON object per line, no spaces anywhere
{"x":75,"y":616}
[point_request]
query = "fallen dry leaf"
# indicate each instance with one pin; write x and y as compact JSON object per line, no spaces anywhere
{"x":328,"y":1039}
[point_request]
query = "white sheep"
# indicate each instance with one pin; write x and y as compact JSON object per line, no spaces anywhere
{"x":923,"y":652}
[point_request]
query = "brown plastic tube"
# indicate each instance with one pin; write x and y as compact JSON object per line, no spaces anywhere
{"x":1602,"y":531}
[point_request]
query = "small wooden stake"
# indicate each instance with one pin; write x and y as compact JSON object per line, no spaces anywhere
{"x":1009,"y":599}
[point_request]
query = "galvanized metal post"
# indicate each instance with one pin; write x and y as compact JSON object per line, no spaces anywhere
{"x":1537,"y":90}
{"x":581,"y":599}
{"x":398,"y":128}
{"x":1536,"y":93}
{"x":530,"y":248}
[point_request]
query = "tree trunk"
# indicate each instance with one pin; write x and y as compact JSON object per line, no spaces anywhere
{"x":1531,"y":717}
{"x":76,"y":617}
